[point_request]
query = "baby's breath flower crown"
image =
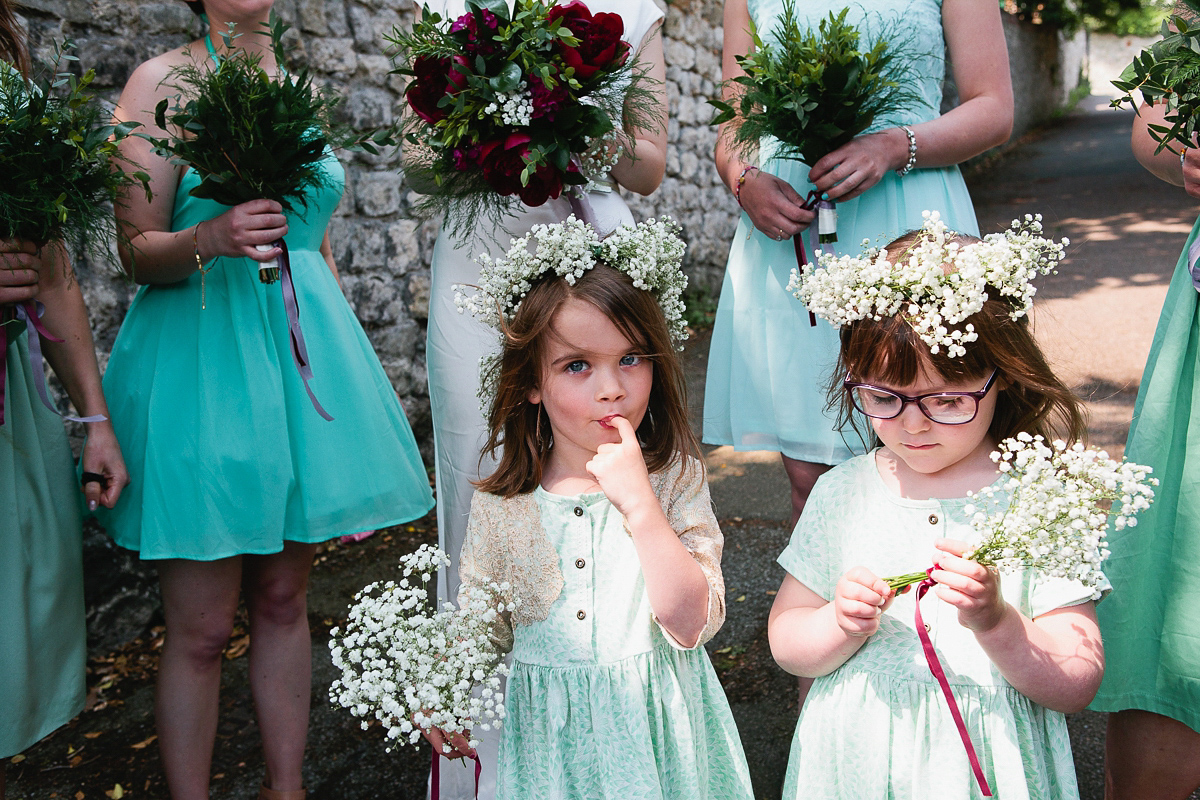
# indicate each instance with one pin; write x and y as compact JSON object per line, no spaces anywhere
{"x":650,"y":252}
{"x":917,"y":285}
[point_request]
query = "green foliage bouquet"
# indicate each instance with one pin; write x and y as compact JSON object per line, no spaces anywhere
{"x":517,"y":106}
{"x":814,"y":91}
{"x":1169,"y":70}
{"x":249,"y":135}
{"x":59,"y":159}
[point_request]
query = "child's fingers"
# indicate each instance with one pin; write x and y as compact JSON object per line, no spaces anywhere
{"x":625,"y":428}
{"x":953,"y":546}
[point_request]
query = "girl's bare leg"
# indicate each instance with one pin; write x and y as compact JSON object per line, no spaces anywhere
{"x":276,"y":589}
{"x":802,"y":475}
{"x":199,"y":601}
{"x":1150,"y":757}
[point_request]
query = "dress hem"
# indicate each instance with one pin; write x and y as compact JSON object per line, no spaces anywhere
{"x":1145,"y":702}
{"x":317,"y":539}
{"x":69,"y":712}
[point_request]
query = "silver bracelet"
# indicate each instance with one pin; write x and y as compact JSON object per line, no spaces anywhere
{"x":912,"y":152}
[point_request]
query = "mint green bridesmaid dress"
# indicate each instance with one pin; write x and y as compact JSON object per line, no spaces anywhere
{"x":42,"y":633}
{"x":226,"y":453}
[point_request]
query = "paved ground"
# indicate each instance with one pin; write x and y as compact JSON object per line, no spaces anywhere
{"x":1096,"y":319}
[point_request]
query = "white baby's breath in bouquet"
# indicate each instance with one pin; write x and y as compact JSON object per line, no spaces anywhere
{"x":413,"y":667}
{"x":1050,"y":510}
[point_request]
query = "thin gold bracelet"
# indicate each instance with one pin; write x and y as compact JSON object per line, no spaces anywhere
{"x":200,"y":266}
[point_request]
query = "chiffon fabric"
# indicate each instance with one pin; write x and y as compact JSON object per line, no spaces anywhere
{"x":879,"y":726}
{"x":1151,"y":623}
{"x":226,"y":453}
{"x":42,"y":631}
{"x":457,"y":342}
{"x":768,"y":366}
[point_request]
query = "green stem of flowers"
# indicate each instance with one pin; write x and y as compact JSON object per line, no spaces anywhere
{"x":900,"y":581}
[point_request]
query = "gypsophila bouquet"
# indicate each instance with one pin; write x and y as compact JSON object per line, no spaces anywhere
{"x":935,"y":284}
{"x":650,"y":252}
{"x":1169,"y":70}
{"x":1050,"y":510}
{"x":506,"y":106}
{"x":814,"y":91}
{"x":59,"y":158}
{"x":413,"y":668}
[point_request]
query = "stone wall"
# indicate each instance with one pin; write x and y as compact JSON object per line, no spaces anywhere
{"x":383,"y":251}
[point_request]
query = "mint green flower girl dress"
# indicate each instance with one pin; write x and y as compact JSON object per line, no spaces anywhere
{"x":768,"y":367}
{"x":602,"y":703}
{"x":226,"y":454}
{"x":878,"y":726}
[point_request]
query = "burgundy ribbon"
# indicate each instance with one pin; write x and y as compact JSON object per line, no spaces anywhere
{"x":299,"y":348}
{"x":30,"y":312}
{"x":811,"y":203}
{"x":935,"y":666}
{"x":435,"y":775}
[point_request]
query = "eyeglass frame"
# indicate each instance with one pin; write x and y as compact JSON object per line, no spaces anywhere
{"x":850,"y":386}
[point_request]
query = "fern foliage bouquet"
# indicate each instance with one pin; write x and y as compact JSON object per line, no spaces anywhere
{"x":1051,"y":508}
{"x":815,"y":90}
{"x":1169,"y":70}
{"x":251,"y":135}
{"x":411,"y":667}
{"x":521,"y":105}
{"x":59,"y":159}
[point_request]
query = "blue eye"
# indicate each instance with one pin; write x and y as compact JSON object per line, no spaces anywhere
{"x":577,"y":366}
{"x":630,"y":360}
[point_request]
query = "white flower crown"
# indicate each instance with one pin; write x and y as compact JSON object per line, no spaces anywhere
{"x":917,"y":285}
{"x":650,"y":252}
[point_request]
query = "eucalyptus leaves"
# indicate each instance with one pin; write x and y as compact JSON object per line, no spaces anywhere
{"x":1169,"y":70}
{"x":59,"y":159}
{"x":815,"y":90}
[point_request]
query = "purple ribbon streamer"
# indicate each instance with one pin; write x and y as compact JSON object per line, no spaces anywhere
{"x":30,"y":313}
{"x":435,"y":775}
{"x":1193,"y":268}
{"x":935,"y":666}
{"x":299,"y":348}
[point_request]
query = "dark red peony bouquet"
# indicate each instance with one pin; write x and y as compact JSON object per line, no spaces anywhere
{"x":521,"y":105}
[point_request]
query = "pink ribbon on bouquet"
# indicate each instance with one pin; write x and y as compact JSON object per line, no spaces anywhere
{"x":935,"y":666}
{"x":435,"y":775}
{"x":292,"y":308}
{"x":30,"y":312}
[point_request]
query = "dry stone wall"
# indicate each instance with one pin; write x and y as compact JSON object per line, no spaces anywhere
{"x":382,"y":248}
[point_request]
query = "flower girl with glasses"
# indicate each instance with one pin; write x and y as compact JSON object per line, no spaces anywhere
{"x":599,"y":518}
{"x":937,"y":352}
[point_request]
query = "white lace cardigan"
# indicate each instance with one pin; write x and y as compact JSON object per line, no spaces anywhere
{"x":505,"y":542}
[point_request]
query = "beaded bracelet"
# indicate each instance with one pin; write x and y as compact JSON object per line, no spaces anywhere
{"x":912,"y":152}
{"x":737,"y":186}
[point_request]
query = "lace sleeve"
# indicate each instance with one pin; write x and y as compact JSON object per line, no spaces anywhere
{"x":484,"y":559}
{"x":690,"y":512}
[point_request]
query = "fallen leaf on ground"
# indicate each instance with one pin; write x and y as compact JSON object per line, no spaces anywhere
{"x":116,"y":793}
{"x":144,"y":743}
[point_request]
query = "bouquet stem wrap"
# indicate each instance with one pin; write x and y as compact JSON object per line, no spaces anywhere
{"x":935,"y":666}
{"x":299,"y":348}
{"x":268,"y":271}
{"x":30,"y":313}
{"x":823,"y":209}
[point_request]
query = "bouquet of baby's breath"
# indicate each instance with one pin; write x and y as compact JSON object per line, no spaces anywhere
{"x":249,"y":135}
{"x":1169,"y":70}
{"x":507,"y":106}
{"x":814,"y":91}
{"x":413,"y":668}
{"x":59,"y":159}
{"x":1050,"y":510}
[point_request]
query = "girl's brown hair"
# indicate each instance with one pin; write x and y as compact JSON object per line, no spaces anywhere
{"x":890,"y":352}
{"x":12,"y":39}
{"x":515,"y":425}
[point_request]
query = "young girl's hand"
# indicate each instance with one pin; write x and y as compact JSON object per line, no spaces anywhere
{"x":859,"y":601}
{"x":968,"y":586}
{"x":459,"y":748}
{"x":620,"y":470}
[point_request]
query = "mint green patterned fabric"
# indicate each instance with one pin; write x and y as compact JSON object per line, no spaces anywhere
{"x":601,"y":704}
{"x":879,"y":727}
